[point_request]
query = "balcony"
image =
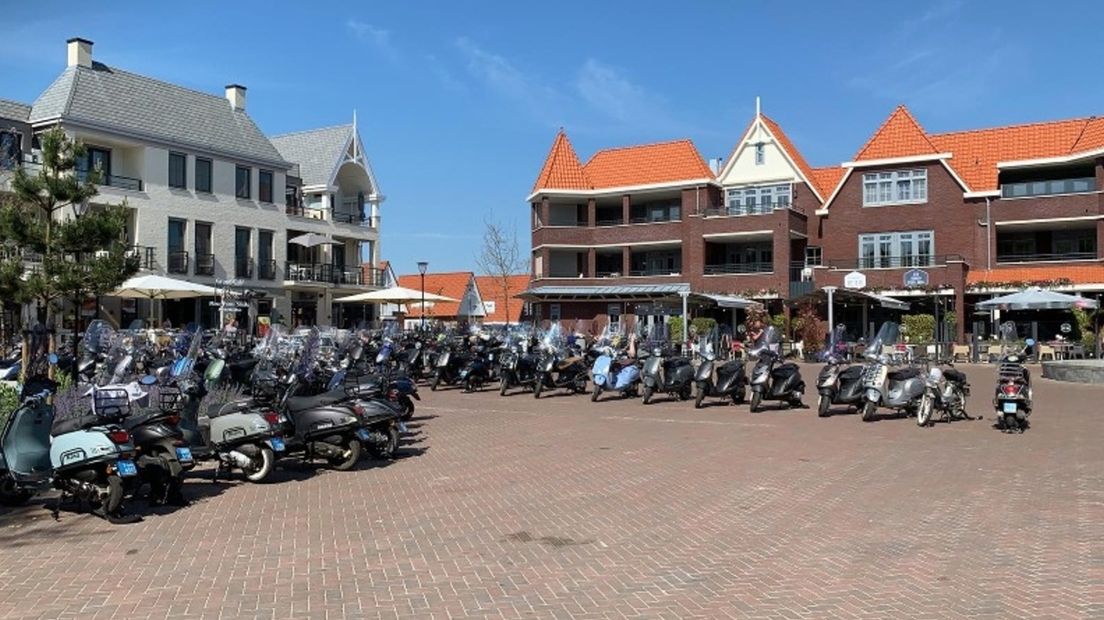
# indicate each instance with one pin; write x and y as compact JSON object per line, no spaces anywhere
{"x":243,"y":268}
{"x":895,"y":262}
{"x":312,"y":272}
{"x":656,"y":271}
{"x":113,"y":180}
{"x":347,"y":217}
{"x":205,"y":264}
{"x":266,"y":270}
{"x":1036,"y":257}
{"x":178,"y":262}
{"x":718,"y":269}
{"x":141,"y":256}
{"x":798,"y":286}
{"x":741,"y":210}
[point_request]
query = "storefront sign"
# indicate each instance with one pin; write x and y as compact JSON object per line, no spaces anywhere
{"x":855,"y":279}
{"x":916,"y":278}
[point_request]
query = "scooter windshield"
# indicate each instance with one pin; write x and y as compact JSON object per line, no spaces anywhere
{"x":887,"y":336}
{"x":836,"y":339}
{"x":708,"y":344}
{"x":767,"y":342}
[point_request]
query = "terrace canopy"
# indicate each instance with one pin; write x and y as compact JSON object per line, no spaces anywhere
{"x":1036,"y":298}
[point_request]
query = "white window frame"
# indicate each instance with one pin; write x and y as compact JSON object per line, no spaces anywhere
{"x":751,"y":199}
{"x":895,"y":187}
{"x":553,"y":312}
{"x":888,"y":249}
{"x":760,"y":153}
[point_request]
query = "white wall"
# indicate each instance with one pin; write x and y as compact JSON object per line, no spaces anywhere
{"x":775,"y":167}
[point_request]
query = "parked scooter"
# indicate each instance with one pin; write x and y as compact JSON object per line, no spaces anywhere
{"x":900,"y":388}
{"x":946,"y":394}
{"x":731,"y":380}
{"x":774,"y":378}
{"x":557,"y":367}
{"x":839,"y":382}
{"x":518,"y":364}
{"x":665,"y":373}
{"x":615,"y":370}
{"x":1013,"y":395}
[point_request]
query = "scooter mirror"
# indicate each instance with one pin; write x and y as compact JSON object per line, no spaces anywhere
{"x":741,"y":328}
{"x":53,"y":359}
{"x":148,"y":380}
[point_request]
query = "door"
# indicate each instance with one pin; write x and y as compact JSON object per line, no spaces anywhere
{"x":178,"y":257}
{"x":241,"y":252}
{"x":265,"y":267}
{"x":205,"y":260}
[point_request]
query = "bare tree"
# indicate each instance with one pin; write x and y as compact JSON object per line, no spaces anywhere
{"x":501,"y":257}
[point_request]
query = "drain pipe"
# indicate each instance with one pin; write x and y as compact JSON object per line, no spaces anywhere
{"x":988,"y":237}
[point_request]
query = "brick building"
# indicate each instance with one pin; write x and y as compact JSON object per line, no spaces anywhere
{"x":939,"y":220}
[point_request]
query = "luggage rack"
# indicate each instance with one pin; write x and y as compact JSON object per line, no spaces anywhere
{"x":111,"y":402}
{"x":266,"y":390}
{"x":170,"y":399}
{"x":361,"y":384}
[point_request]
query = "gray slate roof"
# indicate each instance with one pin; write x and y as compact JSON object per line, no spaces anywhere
{"x":598,"y":292}
{"x":119,"y":100}
{"x":14,"y":110}
{"x":317,"y":151}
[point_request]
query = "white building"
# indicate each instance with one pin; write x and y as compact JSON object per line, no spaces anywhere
{"x":211,"y":198}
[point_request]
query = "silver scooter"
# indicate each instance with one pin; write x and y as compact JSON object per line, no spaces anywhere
{"x":887,"y":381}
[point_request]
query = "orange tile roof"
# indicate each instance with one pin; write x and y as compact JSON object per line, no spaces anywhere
{"x":827,"y":179}
{"x":1090,"y":273}
{"x":561,"y":168}
{"x":899,"y":136}
{"x":453,"y":285}
{"x":490,"y":289}
{"x":1092,"y":136}
{"x":646,"y":164}
{"x":799,"y":159}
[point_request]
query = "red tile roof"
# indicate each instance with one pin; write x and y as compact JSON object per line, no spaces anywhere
{"x":453,"y":285}
{"x":561,"y":168}
{"x":647,"y":164}
{"x":795,"y":155}
{"x":827,"y":179}
{"x":1090,"y":273}
{"x":490,"y":289}
{"x":899,"y":136}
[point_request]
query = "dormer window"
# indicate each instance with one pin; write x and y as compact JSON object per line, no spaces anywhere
{"x":1053,"y":181}
{"x":760,"y":154}
{"x":895,"y":187}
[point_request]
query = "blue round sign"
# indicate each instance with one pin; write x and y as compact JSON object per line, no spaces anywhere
{"x":915,"y":278}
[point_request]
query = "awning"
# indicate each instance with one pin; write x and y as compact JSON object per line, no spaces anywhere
{"x":843,"y":294}
{"x":598,"y":293}
{"x":725,"y":301}
{"x":1037,"y":299}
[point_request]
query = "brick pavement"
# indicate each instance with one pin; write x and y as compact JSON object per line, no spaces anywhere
{"x":559,"y":508}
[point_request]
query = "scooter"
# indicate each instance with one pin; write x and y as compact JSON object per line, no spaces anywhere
{"x":558,"y":367}
{"x":900,"y":389}
{"x":615,"y":371}
{"x":774,"y":378}
{"x":519,"y":368}
{"x":731,"y":379}
{"x":946,"y":394}
{"x":670,"y":375}
{"x":476,"y":372}
{"x":1012,"y":397}
{"x":839,"y":383}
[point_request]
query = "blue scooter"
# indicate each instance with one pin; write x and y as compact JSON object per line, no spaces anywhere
{"x":615,"y":370}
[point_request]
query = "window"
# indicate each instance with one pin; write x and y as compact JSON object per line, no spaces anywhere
{"x":901,"y":249}
{"x":895,"y":187}
{"x":553,"y":312}
{"x":178,"y":175}
{"x":661,"y":211}
{"x":203,"y":175}
{"x":758,"y":199}
{"x":813,"y":256}
{"x":760,"y":154}
{"x":614,"y":312}
{"x":243,"y":265}
{"x":96,"y":160}
{"x":178,"y":257}
{"x":1048,"y":182}
{"x":266,"y":267}
{"x":243,"y":181}
{"x":11,"y":149}
{"x":205,"y":260}
{"x":265,"y":182}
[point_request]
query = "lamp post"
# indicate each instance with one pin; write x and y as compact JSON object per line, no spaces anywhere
{"x":422,"y":266}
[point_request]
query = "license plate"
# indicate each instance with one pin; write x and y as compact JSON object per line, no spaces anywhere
{"x":126,"y":468}
{"x":184,"y":455}
{"x":277,"y":444}
{"x":1010,"y":407}
{"x":363,"y":434}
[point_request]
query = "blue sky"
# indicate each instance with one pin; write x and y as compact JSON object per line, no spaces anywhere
{"x":458,"y":102}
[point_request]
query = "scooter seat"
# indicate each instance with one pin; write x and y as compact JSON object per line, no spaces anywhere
{"x":73,"y":424}
{"x":904,"y":374}
{"x":851,"y":373}
{"x":136,"y":420}
{"x":953,"y":375}
{"x":236,"y":406}
{"x":302,"y":403}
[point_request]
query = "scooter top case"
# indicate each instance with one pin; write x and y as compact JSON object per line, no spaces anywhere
{"x":312,"y":419}
{"x":25,"y":444}
{"x":236,"y":423}
{"x":80,"y":447}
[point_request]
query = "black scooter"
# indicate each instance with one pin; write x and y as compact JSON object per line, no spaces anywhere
{"x":774,"y":378}
{"x":519,"y":369}
{"x":162,"y":454}
{"x":731,"y":381}
{"x":673,"y":376}
{"x":321,"y":426}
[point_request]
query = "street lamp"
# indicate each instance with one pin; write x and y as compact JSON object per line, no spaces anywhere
{"x":422,"y":265}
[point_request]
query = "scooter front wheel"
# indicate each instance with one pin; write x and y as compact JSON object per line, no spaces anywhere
{"x":924,"y":411}
{"x":347,"y":462}
{"x":868,"y":411}
{"x":700,"y":397}
{"x":538,"y":386}
{"x":756,"y":400}
{"x":824,"y":406}
{"x":647,"y":394}
{"x":503,"y":385}
{"x":262,"y":465}
{"x":595,"y":393}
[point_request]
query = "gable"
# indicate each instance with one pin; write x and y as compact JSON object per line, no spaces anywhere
{"x":781,"y":162}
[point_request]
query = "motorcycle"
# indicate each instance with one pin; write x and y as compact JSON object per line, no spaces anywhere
{"x":615,"y":370}
{"x":946,"y":394}
{"x":1012,"y":397}
{"x":731,"y":380}
{"x":899,"y":389}
{"x":774,"y":378}
{"x":839,"y":383}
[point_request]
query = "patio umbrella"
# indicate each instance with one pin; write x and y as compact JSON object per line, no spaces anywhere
{"x":393,"y":295}
{"x":151,"y":286}
{"x":1036,"y":298}
{"x":313,"y":240}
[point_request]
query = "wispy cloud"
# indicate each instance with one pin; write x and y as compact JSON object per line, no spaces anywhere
{"x":612,"y":94}
{"x":379,"y":38}
{"x":444,"y":76}
{"x":503,"y":77}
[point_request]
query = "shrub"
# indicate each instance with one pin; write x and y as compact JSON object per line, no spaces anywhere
{"x":919,"y":327}
{"x":674,"y":328}
{"x":9,"y":400}
{"x":702,"y":324}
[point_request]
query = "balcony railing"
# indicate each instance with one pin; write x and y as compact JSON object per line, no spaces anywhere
{"x":895,"y":262}
{"x":266,"y":270}
{"x":345,"y":217}
{"x":655,"y":272}
{"x":374,"y":277}
{"x":738,"y":268}
{"x":607,"y":274}
{"x":243,"y":267}
{"x":755,"y":209}
{"x":1042,"y":258}
{"x":325,"y":273}
{"x":178,"y":261}
{"x":647,"y":220}
{"x":142,"y":256}
{"x":205,"y":264}
{"x":798,"y":286}
{"x":610,"y":222}
{"x":113,"y":180}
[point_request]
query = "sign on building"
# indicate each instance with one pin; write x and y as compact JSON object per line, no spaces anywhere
{"x":916,"y":278}
{"x":489,"y":307}
{"x":855,"y":279}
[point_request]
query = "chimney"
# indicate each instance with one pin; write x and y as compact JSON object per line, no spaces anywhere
{"x":715,"y":165}
{"x":80,"y":52}
{"x":235,"y":94}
